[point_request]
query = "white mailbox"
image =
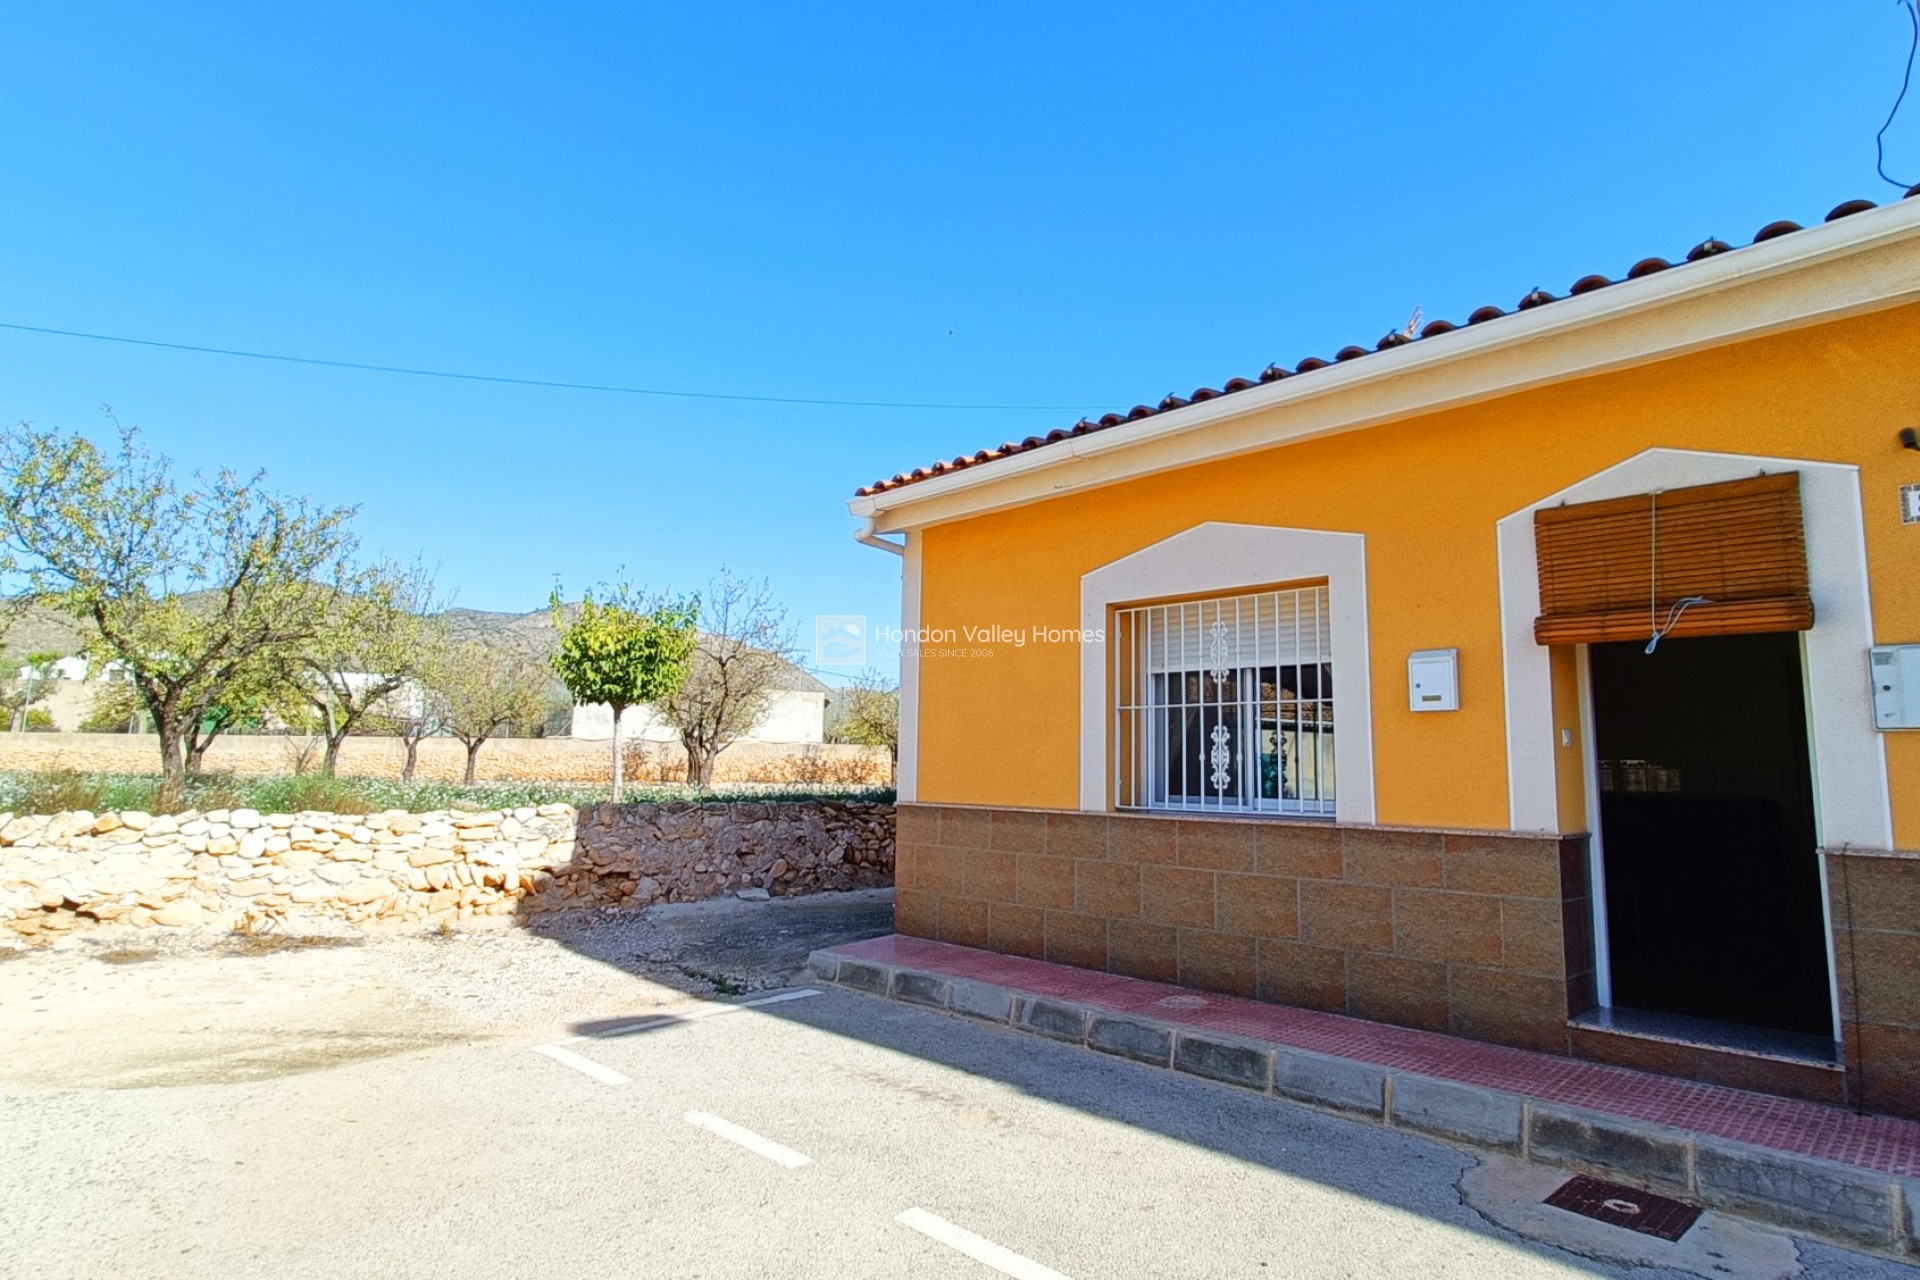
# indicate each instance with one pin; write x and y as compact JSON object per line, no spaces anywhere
{"x":1433,"y":680}
{"x":1896,"y":685}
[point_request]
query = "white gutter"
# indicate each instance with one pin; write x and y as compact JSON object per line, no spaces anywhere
{"x":1457,"y":360}
{"x":866,"y":534}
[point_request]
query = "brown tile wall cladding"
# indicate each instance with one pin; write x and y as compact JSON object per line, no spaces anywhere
{"x":1447,"y":931}
{"x":1876,"y":948}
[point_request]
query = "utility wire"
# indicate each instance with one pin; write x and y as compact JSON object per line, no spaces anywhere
{"x":532,"y":382}
{"x":1880,"y":138}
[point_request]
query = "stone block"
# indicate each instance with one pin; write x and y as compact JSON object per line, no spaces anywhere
{"x":864,"y":977}
{"x":1136,"y":838}
{"x":1532,"y":937}
{"x":1076,"y":940}
{"x":1261,"y":906}
{"x":1017,"y":830}
{"x":987,"y":874}
{"x":1407,"y":993}
{"x":1609,"y":1143}
{"x":962,"y":921}
{"x":1527,"y":1010}
{"x":1460,"y":928}
{"x":1077,"y":835}
{"x":1296,"y":974}
{"x":824,"y":965}
{"x":1016,"y":930}
{"x":1796,"y":1191}
{"x":1516,"y":866}
{"x":1454,"y":1110}
{"x":1222,"y":962}
{"x":1348,"y":917}
{"x":1298,"y":849}
{"x":1127,"y":1038}
{"x":1053,"y":1019}
{"x":1214,"y":844}
{"x":1404,"y":859}
{"x":1041,"y":881}
{"x":1228,"y":1061}
{"x":980,"y":1000}
{"x":1107,"y":889}
{"x":1340,"y":1084}
{"x":920,"y":988}
{"x":1177,"y":895}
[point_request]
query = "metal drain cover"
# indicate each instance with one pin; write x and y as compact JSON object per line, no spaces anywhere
{"x":1623,"y":1206}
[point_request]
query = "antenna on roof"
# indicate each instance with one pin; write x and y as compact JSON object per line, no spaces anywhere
{"x":1413,"y":321}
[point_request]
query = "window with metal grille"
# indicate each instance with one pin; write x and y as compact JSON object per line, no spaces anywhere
{"x":1225,"y":704}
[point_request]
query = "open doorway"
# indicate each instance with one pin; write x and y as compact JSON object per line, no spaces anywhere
{"x":1707,"y":830}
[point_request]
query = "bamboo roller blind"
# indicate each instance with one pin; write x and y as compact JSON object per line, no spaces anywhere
{"x":1612,"y":570}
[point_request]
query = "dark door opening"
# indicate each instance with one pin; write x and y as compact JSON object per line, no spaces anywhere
{"x":1707,"y":831}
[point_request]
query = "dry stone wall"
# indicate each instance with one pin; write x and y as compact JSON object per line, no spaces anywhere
{"x":241,"y":869}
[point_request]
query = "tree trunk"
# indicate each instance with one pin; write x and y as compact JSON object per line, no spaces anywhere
{"x":173,"y":763}
{"x":473,"y":755}
{"x":413,"y":757}
{"x":617,"y":709}
{"x":699,"y":765}
{"x":330,"y":758}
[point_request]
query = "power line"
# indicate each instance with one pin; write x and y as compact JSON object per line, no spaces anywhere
{"x":1880,"y":138}
{"x":531,"y":382}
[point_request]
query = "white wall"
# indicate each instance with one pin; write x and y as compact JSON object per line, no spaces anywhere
{"x":795,"y":715}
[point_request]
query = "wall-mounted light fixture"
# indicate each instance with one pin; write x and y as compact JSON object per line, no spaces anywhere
{"x":1910,"y":438}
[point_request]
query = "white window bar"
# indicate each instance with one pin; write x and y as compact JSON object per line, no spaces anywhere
{"x":1225,"y":705}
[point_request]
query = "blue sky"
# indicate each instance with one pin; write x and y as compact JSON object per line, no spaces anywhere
{"x":1081,"y":206}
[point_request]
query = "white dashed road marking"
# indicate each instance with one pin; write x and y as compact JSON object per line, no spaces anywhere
{"x":605,"y":1075}
{"x":979,"y":1248}
{"x":749,"y":1139}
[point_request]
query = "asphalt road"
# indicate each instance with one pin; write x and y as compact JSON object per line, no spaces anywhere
{"x":830,"y":1135}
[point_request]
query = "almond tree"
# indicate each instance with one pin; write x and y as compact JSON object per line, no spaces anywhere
{"x":739,"y":660}
{"x":186,"y":586}
{"x":34,"y":681}
{"x":479,"y":690}
{"x":624,"y":651}
{"x":372,"y":645}
{"x":869,"y":714}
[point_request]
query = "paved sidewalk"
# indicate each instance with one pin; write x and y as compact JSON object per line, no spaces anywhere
{"x":1811,"y":1166}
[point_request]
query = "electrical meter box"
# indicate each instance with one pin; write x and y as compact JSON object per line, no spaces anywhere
{"x":1896,"y":685}
{"x":1433,"y":680}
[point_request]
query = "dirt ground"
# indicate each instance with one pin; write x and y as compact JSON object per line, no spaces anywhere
{"x":118,"y":1009}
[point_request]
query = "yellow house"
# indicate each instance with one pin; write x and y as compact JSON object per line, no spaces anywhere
{"x":1538,"y":678}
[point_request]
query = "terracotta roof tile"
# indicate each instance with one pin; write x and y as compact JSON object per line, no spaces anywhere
{"x":1273,"y":373}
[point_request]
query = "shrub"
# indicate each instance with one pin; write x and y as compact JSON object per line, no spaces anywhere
{"x":39,"y":720}
{"x":303,"y":791}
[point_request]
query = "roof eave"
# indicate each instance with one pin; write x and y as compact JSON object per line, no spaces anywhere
{"x":1337,"y":398}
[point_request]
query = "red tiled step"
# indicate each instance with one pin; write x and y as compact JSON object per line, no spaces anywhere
{"x":1882,"y":1144}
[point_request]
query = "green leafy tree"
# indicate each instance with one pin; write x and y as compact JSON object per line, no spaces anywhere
{"x":416,"y":710}
{"x":372,"y":644}
{"x":254,"y":695}
{"x":32,"y":682}
{"x":867,"y":714}
{"x":479,"y":690}
{"x":187,"y":587}
{"x":624,"y":651}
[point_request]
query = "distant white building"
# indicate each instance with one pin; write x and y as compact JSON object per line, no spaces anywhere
{"x":794,"y":715}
